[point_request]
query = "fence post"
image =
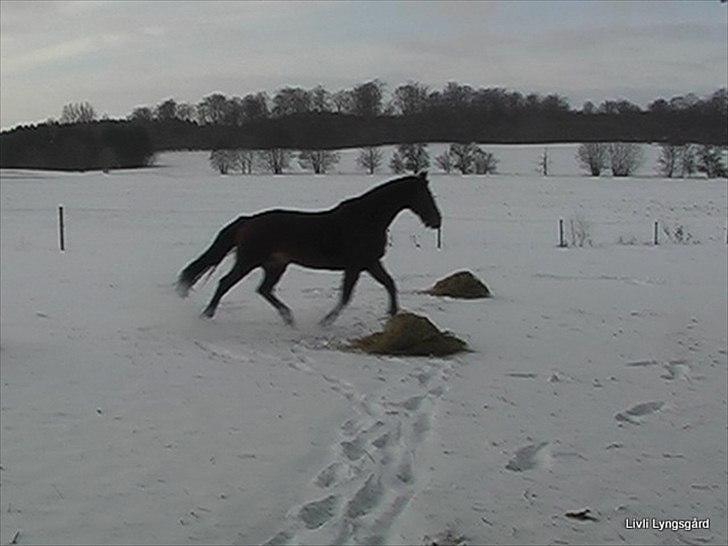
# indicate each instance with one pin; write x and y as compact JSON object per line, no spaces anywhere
{"x":561,"y":233}
{"x":61,"y":234}
{"x":656,"y":232}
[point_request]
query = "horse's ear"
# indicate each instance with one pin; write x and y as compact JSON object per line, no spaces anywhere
{"x":423,"y":176}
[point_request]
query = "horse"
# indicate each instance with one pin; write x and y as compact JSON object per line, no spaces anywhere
{"x":351,"y":237}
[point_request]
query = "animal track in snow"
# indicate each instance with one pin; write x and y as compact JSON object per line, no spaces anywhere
{"x":353,"y":450}
{"x":365,"y":498}
{"x":372,"y":474}
{"x":526,"y":458}
{"x":314,"y":514}
{"x":677,"y":369}
{"x":412,"y":404}
{"x":328,"y":475}
{"x":635,"y":414}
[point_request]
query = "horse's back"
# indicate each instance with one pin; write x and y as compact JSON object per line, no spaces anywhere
{"x":323,"y":240}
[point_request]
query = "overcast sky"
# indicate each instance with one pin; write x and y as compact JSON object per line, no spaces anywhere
{"x":122,"y":54}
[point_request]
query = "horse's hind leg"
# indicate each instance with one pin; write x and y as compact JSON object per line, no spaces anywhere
{"x":240,"y":269}
{"x":347,"y":288}
{"x":380,"y":274}
{"x":273,"y":274}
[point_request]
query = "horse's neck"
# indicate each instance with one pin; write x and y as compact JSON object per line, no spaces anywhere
{"x":383,"y":205}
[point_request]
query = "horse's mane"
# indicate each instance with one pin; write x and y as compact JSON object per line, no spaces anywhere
{"x":380,"y":191}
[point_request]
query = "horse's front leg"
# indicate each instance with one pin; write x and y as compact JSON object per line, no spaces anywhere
{"x":380,"y":275}
{"x":347,"y":288}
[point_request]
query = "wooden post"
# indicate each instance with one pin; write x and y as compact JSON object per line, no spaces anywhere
{"x":439,"y":238}
{"x":61,"y":234}
{"x":561,"y":233}
{"x":656,"y":239}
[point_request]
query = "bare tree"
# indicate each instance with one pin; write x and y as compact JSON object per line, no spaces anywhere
{"x":410,"y":98}
{"x":445,"y":162}
{"x":369,"y":158}
{"x":668,"y":162}
{"x":320,"y":99}
{"x":456,"y":96}
{"x":544,"y":163}
{"x":397,"y":163}
{"x":291,"y":100}
{"x":588,"y":108}
{"x":688,"y":161}
{"x":185,"y":112}
{"x":624,"y":158}
{"x":343,"y":101}
{"x":593,"y":156}
{"x":410,"y":157}
{"x":244,"y":160}
{"x":213,"y":109}
{"x":367,"y":99}
{"x":223,"y":160}
{"x":255,"y":107}
{"x":710,"y":162}
{"x":235,"y":112}
{"x":463,"y":156}
{"x":166,"y":110}
{"x":320,"y":161}
{"x":141,"y":113}
{"x":677,"y":160}
{"x":78,"y":112}
{"x":274,"y":159}
{"x":485,"y":162}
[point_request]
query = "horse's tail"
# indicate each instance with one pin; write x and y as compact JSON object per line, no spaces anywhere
{"x":220,"y":247}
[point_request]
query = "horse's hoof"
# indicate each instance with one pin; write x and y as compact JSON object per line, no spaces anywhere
{"x":288,"y":318}
{"x":207,"y":313}
{"x":327,"y":321}
{"x":183,"y":289}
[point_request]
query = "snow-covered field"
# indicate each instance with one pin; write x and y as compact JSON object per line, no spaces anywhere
{"x":597,"y":378}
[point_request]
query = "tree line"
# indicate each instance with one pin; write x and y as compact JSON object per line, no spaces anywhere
{"x":365,"y":116}
{"x":295,"y":117}
{"x":594,"y":158}
{"x":93,"y":145}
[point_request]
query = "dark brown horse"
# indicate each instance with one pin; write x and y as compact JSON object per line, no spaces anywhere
{"x":350,"y":237}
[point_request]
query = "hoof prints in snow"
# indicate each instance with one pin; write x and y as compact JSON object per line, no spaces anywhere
{"x":328,"y":475}
{"x":526,"y":458}
{"x":371,"y":478}
{"x":635,"y":414}
{"x":353,"y":450}
{"x":642,"y":363}
{"x":365,"y":499}
{"x":519,"y":375}
{"x":315,"y":514}
{"x":280,"y":539}
{"x":405,"y":472}
{"x":413,"y":403}
{"x":676,"y":370}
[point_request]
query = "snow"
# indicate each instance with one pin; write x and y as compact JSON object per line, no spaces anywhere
{"x":597,"y":378}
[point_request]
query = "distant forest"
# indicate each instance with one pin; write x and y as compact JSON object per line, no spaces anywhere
{"x":316,"y":119}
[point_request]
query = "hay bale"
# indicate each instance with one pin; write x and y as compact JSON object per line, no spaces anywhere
{"x":462,"y":284}
{"x":410,"y":334}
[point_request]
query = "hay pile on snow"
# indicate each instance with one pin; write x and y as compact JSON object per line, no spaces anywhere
{"x":462,"y":284}
{"x":410,"y":334}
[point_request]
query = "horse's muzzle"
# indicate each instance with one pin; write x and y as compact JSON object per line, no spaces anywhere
{"x":434,"y":224}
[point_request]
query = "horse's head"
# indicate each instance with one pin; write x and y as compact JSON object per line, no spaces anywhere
{"x":422,"y":202}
